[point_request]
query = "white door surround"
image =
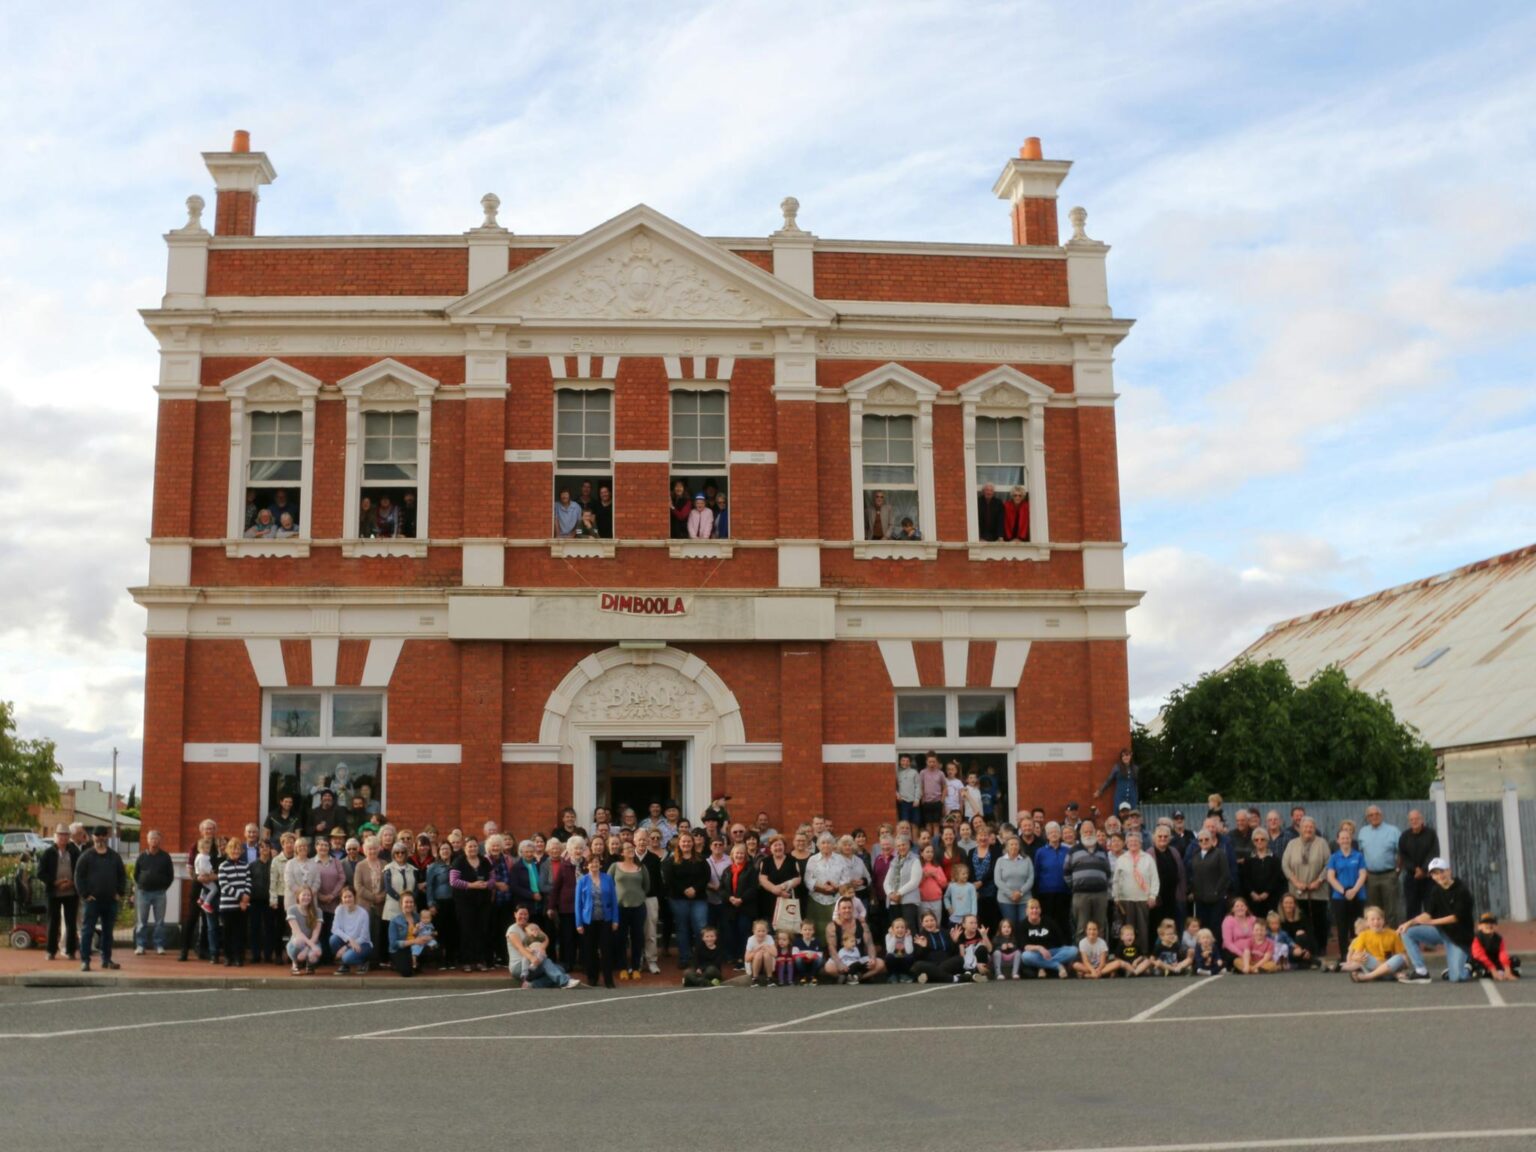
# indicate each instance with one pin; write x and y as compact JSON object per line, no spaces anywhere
{"x":642,"y":693}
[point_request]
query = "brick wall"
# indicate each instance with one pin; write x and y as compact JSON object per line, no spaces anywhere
{"x":336,"y":271}
{"x":940,"y":279}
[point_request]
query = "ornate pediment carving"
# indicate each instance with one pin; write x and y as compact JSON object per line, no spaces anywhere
{"x":269,"y":390}
{"x":650,"y":692}
{"x":889,"y":393}
{"x":388,"y":388}
{"x":641,"y":277}
{"x":1002,"y":396}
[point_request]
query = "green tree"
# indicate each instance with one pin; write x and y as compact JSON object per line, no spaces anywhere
{"x":133,"y":797}
{"x":1251,"y":732}
{"x":27,"y":771}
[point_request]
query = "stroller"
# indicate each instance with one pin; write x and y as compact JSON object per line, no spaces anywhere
{"x":22,"y":899}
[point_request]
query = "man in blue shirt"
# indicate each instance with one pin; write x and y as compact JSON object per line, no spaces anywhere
{"x":1378,"y":844}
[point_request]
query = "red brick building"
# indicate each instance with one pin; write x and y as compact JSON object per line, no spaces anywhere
{"x":358,"y":574}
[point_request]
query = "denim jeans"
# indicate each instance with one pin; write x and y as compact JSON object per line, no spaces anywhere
{"x":150,"y":902}
{"x":688,"y":918}
{"x":1455,"y":957}
{"x":1393,"y":963}
{"x":350,"y":956}
{"x":1059,"y":956}
{"x":548,"y":975}
{"x":100,"y":914}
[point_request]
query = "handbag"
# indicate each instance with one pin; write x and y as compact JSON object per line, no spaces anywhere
{"x":786,"y":915}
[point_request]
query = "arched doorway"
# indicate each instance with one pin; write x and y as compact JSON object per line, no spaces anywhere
{"x":640,"y":697}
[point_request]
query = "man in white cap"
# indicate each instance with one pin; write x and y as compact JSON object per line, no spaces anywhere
{"x":1448,"y":919}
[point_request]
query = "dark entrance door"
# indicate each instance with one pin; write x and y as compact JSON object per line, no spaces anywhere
{"x":636,"y":772}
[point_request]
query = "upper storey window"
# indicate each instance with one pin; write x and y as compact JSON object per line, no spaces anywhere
{"x":583,"y":487}
{"x":1004,"y":421}
{"x":890,"y":413}
{"x":271,"y":459}
{"x":389,"y":456}
{"x":699,"y":465}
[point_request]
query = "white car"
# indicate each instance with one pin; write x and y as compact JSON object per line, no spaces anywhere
{"x":15,"y":843}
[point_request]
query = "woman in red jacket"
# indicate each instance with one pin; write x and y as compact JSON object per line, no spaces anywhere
{"x":1016,"y":515}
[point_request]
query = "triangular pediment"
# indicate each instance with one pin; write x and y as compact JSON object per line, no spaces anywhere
{"x":643,"y":268}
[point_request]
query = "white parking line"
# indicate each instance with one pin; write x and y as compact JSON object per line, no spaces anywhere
{"x":846,"y":1008}
{"x":239,"y":1016}
{"x":108,"y":996}
{"x":904,"y":1028}
{"x":573,"y":1000}
{"x":1491,"y":990}
{"x":1142,"y":1017}
{"x":1389,"y":1138}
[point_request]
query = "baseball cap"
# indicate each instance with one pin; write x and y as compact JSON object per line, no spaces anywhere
{"x":1487,"y":918}
{"x":1072,"y":807}
{"x":101,"y":830}
{"x":1178,"y":814}
{"x":1439,"y":864}
{"x":1125,"y":806}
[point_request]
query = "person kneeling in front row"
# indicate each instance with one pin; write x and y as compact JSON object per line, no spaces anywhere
{"x":351,"y":935}
{"x":707,"y":960}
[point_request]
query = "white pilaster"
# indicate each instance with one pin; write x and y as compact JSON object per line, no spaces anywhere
{"x":1519,"y":898}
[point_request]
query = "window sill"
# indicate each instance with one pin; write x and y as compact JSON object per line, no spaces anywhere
{"x":700,"y":549}
{"x":1005,"y":551}
{"x":582,"y":548}
{"x":404,"y":546}
{"x":240,"y":548}
{"x":893,"y":550}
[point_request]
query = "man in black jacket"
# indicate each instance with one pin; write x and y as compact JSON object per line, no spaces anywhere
{"x":102,"y":881}
{"x":152,"y":877}
{"x":989,"y":513}
{"x":56,"y":869}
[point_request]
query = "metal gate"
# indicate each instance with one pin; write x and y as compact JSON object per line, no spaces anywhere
{"x":1478,"y":853}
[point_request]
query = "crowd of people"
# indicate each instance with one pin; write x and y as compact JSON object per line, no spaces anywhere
{"x":585,"y":510}
{"x":934,"y":895}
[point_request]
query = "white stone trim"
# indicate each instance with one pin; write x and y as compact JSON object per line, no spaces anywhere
{"x":858,"y":754}
{"x":738,"y":458}
{"x":483,"y":563}
{"x":530,"y":455}
{"x":217,"y":753}
{"x":1001,"y":550}
{"x":956,"y":660}
{"x":799,"y":566}
{"x":582,"y":548}
{"x":752,"y":753}
{"x":170,"y":563}
{"x":278,"y":387}
{"x":323,"y":652}
{"x":530,"y":753}
{"x":641,"y":456}
{"x":379,"y":667}
{"x":387,"y":386}
{"x":1008,"y":393}
{"x":423,"y":754}
{"x":1008,"y":661}
{"x":1104,"y":567}
{"x":674,"y":367}
{"x":900,"y":663}
{"x":1041,"y":753}
{"x":700,"y":549}
{"x":895,"y":550}
{"x":267,"y":662}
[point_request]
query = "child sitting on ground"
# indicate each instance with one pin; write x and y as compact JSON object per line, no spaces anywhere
{"x":784,"y":962}
{"x":972,"y":952}
{"x":1205,"y":957}
{"x":1093,"y":962}
{"x":808,"y":952}
{"x":1132,"y":960}
{"x":426,"y":935}
{"x":960,"y":896}
{"x":708,"y":960}
{"x":899,"y":949}
{"x":1282,"y":940}
{"x":760,"y":955}
{"x":1259,"y":955}
{"x":1189,"y":941}
{"x":1490,"y":955}
{"x":1006,"y":954}
{"x":1169,"y":958}
{"x":1376,"y":952}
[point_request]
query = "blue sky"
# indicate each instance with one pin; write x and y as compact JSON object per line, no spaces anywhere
{"x":1321,"y":219}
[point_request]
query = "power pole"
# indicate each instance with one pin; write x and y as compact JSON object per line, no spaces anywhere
{"x":114,"y":801}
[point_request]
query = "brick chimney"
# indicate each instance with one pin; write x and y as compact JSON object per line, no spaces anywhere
{"x":1030,"y":185}
{"x":237,"y":174}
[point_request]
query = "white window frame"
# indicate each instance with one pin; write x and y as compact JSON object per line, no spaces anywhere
{"x":892,"y":390}
{"x":1004,"y":745}
{"x":388,"y":386}
{"x":325,"y":742}
{"x":270,"y":386}
{"x":583,"y":546}
{"x":699,"y":549}
{"x":1003,"y":393}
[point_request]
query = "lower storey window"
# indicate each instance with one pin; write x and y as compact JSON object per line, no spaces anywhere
{"x":351,"y":777}
{"x":699,"y":508}
{"x":321,"y":740}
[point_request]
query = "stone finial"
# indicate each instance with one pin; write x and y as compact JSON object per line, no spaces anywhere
{"x":195,"y":206}
{"x":491,"y":203}
{"x":791,"y":209}
{"x":1079,"y":218}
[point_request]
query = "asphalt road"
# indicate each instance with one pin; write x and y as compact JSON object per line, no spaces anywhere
{"x":1034,"y":1065}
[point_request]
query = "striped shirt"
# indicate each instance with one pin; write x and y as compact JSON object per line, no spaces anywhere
{"x":234,"y":883}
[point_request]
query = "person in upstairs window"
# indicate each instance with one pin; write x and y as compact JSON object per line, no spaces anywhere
{"x":567,"y":514}
{"x":681,"y":507}
{"x":1016,"y":515}
{"x":907,"y":531}
{"x":722,"y":517}
{"x":280,"y":504}
{"x":367,"y":519}
{"x":880,"y":522}
{"x":587,"y":528}
{"x":286,"y":529}
{"x":389,"y":518}
{"x":252,"y":509}
{"x":701,"y":521}
{"x":408,"y":515}
{"x":586,"y":499}
{"x":602,"y":512}
{"x":264,"y":528}
{"x":989,"y":513}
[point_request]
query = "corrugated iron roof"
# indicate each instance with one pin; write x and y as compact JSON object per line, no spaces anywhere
{"x":1481,"y":689}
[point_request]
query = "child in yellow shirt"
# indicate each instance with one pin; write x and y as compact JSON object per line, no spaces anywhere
{"x":1376,"y":952}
